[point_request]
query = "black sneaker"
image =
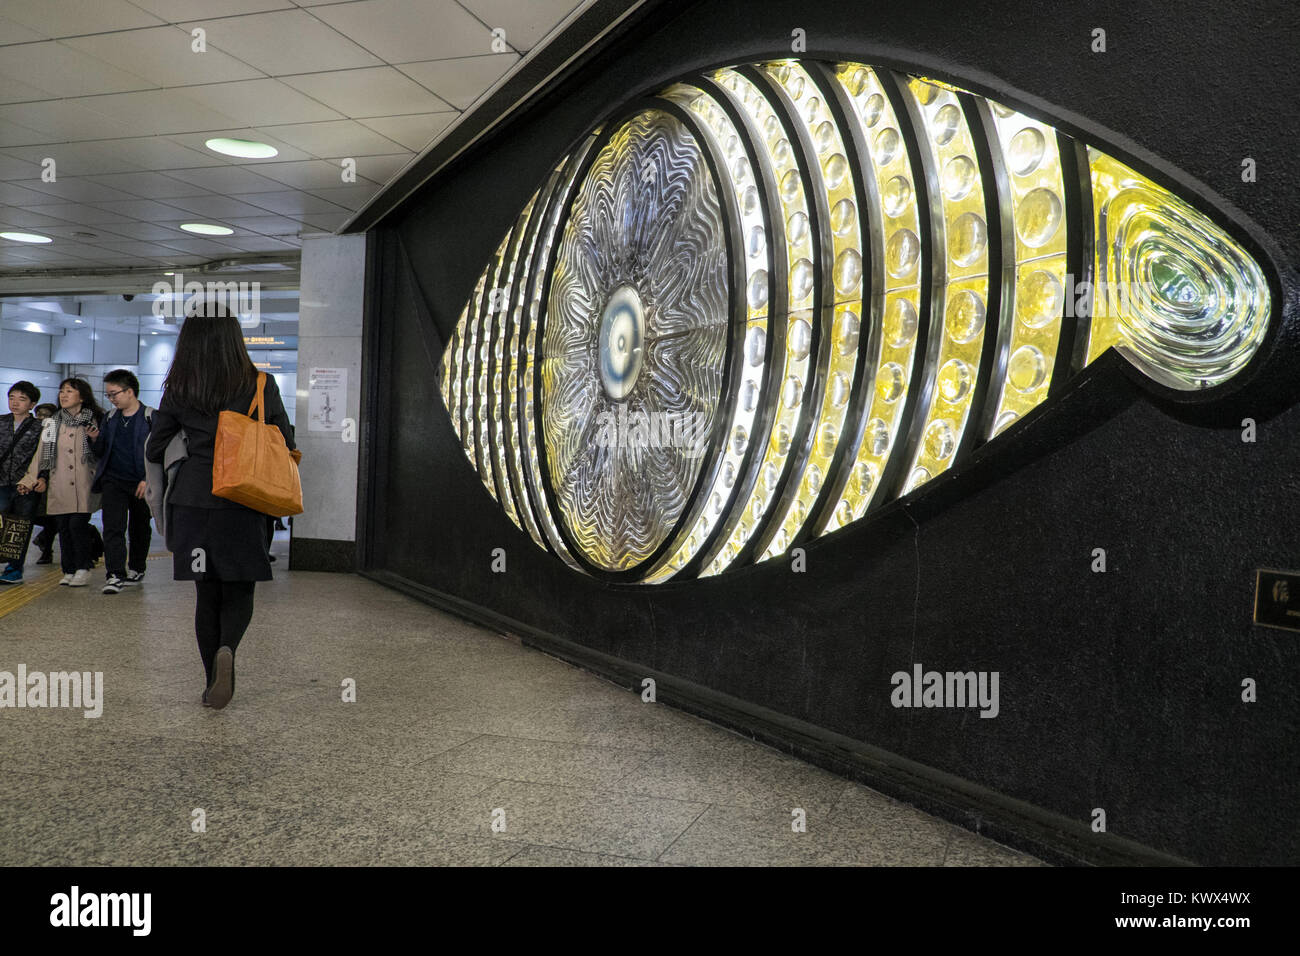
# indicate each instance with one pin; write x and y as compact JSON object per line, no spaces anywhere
{"x":133,"y":578}
{"x":113,"y":585}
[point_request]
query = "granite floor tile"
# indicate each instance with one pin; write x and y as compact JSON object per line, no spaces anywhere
{"x":970,"y":849}
{"x":540,"y":761}
{"x":551,"y":856}
{"x":573,"y":818}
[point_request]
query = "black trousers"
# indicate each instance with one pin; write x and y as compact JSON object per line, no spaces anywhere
{"x":125,"y":514}
{"x":221,"y":616}
{"x":74,"y":541}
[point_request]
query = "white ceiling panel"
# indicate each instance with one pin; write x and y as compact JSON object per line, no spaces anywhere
{"x":12,"y":167}
{"x":12,"y":32}
{"x":71,"y":189}
{"x":100,"y":233}
{"x":404,"y":30}
{"x":163,"y":56}
{"x":258,"y":103}
{"x":161,"y":112}
{"x":379,"y":169}
{"x":201,"y":246}
{"x":65,"y":71}
{"x":113,"y":92}
{"x":312,"y":174}
{"x":463,"y":80}
{"x":146,"y":209}
{"x":12,"y":194}
{"x":289,"y":41}
{"x":63,"y":121}
{"x":336,"y":138}
{"x":146,"y":230}
{"x":349,"y":197}
{"x":13,"y":91}
{"x":413,"y":132}
{"x":177,"y":11}
{"x":326,"y":221}
{"x":71,"y":18}
{"x":267,"y":225}
{"x":381,"y":91}
{"x":157,"y":152}
{"x":290,"y":203}
{"x":215,"y":208}
{"x":198,"y":143}
{"x":85,"y":215}
{"x":150,"y":185}
{"x":76,"y":159}
{"x":11,"y":134}
{"x":224,"y":180}
{"x":524,"y":23}
{"x":28,"y":218}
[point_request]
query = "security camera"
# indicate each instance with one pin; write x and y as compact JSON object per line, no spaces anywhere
{"x":127,"y":297}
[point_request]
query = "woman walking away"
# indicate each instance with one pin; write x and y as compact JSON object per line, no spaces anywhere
{"x":66,"y":464}
{"x":216,"y":543}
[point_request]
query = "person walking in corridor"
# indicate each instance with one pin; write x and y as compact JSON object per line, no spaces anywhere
{"x":216,"y":543}
{"x":66,"y":463}
{"x":20,"y":435}
{"x":120,"y":479}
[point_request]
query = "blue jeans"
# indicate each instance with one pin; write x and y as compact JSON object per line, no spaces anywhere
{"x":24,"y":506}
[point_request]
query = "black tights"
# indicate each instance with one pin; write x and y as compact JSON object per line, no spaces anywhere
{"x":221,"y":616}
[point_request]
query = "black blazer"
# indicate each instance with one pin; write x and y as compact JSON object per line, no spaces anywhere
{"x":193,"y":484}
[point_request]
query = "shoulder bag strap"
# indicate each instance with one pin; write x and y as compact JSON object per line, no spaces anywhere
{"x":259,"y":400}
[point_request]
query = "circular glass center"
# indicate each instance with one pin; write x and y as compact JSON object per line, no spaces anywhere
{"x":622,"y":331}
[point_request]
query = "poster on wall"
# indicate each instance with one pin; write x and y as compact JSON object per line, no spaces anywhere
{"x":327,"y":395}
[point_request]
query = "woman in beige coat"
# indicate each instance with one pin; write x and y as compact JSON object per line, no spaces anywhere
{"x":65,"y":464}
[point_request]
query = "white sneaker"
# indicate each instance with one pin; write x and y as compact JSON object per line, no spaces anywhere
{"x":66,"y":579}
{"x":79,"y":579}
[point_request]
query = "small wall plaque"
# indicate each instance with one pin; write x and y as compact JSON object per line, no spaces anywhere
{"x":1277,"y":599}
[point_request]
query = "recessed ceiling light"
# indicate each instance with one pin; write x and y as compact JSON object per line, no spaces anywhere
{"x":24,"y":237}
{"x":243,"y":148}
{"x":169,"y":273}
{"x":205,"y":229}
{"x":78,"y":321}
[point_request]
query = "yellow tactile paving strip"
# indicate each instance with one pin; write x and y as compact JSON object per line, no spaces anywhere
{"x":14,"y":596}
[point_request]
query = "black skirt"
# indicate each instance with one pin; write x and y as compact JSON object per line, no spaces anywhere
{"x":231,"y":543}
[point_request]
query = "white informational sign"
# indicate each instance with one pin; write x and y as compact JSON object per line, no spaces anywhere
{"x":326,"y":399}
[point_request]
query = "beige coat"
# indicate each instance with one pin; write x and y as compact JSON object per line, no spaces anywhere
{"x":70,"y":478}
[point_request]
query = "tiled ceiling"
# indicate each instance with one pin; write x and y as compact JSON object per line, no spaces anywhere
{"x":113,"y":92}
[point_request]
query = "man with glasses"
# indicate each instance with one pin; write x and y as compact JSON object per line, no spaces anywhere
{"x":120,"y":478}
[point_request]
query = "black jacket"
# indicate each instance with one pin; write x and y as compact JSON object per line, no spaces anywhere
{"x":15,"y":461}
{"x":194,"y":480}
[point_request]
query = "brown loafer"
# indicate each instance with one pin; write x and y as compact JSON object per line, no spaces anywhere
{"x":223,"y":678}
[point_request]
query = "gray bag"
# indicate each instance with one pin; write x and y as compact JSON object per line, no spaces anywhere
{"x":160,"y":477}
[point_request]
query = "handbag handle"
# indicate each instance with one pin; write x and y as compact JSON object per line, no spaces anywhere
{"x":258,"y":403}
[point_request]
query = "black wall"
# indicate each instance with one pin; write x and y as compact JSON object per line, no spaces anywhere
{"x":1118,"y":690}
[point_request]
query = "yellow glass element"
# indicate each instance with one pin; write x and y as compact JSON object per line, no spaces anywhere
{"x":1033,"y":201}
{"x":958,"y":306}
{"x":845,"y":265}
{"x":561,"y":181}
{"x":794,"y":367}
{"x":758,"y":263}
{"x":895,"y":305}
{"x":1173,"y":292}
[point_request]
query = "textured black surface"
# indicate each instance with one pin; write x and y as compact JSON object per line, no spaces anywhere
{"x":1119,"y":690}
{"x":322,"y":554}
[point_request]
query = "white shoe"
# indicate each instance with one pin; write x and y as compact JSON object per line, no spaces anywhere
{"x":66,"y":579}
{"x":79,"y":579}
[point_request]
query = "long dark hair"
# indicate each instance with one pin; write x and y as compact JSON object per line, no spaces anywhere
{"x":87,"y":396}
{"x":211,"y":367}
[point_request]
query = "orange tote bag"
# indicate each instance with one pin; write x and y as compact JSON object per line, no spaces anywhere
{"x":251,"y":464}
